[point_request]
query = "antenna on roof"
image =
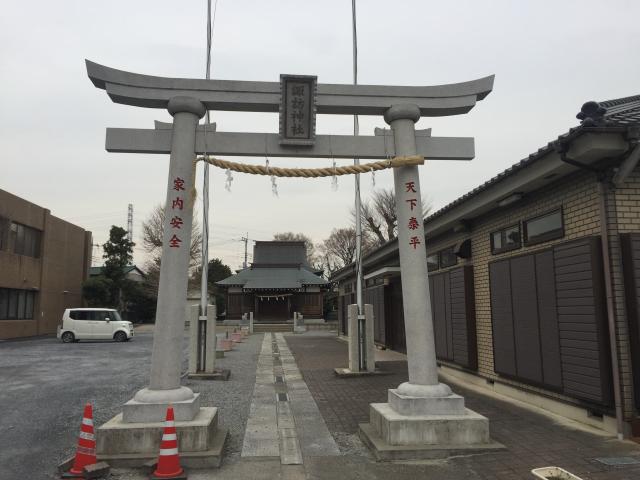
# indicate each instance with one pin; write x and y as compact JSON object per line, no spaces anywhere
{"x":245,"y":240}
{"x":130,"y":222}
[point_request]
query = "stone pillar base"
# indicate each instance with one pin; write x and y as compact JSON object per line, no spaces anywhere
{"x":143,"y":412}
{"x":394,"y":436}
{"x":406,"y":405}
{"x":200,"y":441}
{"x":345,"y":372}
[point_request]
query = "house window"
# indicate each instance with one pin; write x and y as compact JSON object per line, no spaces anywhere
{"x":505,"y":239}
{"x":26,"y":240}
{"x":543,"y":228}
{"x":432,"y":262}
{"x":448,"y":257}
{"x":16,"y":304}
{"x":4,"y":233}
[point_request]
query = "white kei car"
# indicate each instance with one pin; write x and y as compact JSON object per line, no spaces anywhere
{"x":93,"y":324}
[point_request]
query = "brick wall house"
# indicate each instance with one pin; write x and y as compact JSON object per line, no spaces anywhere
{"x":530,"y":281}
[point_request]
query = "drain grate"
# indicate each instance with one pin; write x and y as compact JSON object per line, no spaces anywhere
{"x":617,"y":461}
{"x":282,"y":397}
{"x":279,"y":379}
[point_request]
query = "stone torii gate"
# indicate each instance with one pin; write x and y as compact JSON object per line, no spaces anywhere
{"x":415,"y":402}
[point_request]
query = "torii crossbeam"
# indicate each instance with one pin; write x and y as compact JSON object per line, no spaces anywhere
{"x":187,"y":100}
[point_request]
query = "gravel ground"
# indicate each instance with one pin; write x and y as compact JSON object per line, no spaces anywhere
{"x":232,"y":397}
{"x":45,"y":384}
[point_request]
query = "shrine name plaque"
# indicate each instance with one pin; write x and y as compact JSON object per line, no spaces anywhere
{"x":298,"y":109}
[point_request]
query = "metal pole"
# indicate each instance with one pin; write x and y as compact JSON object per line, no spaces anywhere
{"x":204,"y":279}
{"x":246,"y":241}
{"x":611,"y":317}
{"x":358,"y":205}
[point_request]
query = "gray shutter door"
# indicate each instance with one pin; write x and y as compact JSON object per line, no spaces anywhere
{"x":581,"y":320}
{"x":504,"y":355}
{"x":630,"y":243}
{"x":525,"y":318}
{"x":549,"y":320}
{"x":547,"y":315}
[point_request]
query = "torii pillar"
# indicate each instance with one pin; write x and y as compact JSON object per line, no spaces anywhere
{"x":133,"y":437}
{"x":423,"y":417}
{"x":150,"y":404}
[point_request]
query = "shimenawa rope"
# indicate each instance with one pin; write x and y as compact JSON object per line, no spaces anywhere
{"x":311,"y":172}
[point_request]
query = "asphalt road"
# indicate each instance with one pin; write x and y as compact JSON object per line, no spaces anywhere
{"x":44,"y":385}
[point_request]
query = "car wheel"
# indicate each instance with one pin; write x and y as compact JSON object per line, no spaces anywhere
{"x":120,"y":337}
{"x":68,"y":337}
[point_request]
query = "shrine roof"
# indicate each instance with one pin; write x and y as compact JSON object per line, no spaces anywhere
{"x":284,"y":278}
{"x":291,"y":253}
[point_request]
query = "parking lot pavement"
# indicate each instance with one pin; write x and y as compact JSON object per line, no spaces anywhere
{"x":44,"y":385}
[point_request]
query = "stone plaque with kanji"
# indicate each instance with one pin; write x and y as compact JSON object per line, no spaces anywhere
{"x":298,"y":109}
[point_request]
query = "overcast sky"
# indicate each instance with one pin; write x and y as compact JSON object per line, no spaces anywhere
{"x":549,"y":57}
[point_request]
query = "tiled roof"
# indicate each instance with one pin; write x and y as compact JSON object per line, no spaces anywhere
{"x":619,"y":112}
{"x":280,"y":252}
{"x":273,"y":278}
{"x":93,"y":271}
{"x":623,"y":111}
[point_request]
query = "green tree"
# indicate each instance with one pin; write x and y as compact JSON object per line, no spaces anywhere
{"x":140,"y":302}
{"x":217,"y":271}
{"x":97,"y":291}
{"x":118,"y":254}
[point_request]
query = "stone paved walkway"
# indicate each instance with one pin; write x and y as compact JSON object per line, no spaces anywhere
{"x":283,"y":418}
{"x":532,"y":440}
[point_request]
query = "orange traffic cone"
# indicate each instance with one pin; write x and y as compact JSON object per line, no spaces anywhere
{"x":169,"y":460}
{"x":86,"y":451}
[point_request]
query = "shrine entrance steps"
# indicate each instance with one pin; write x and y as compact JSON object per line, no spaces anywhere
{"x":272,"y":327}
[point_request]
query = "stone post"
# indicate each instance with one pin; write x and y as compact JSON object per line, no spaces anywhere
{"x":166,"y":358}
{"x":418,"y":321}
{"x":370,"y":348}
{"x":211,"y":342}
{"x":354,"y":341}
{"x":250,"y":322}
{"x":194,"y":313}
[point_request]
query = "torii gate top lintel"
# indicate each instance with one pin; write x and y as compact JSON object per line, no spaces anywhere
{"x":231,"y":95}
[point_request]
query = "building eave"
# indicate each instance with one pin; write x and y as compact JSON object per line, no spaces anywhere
{"x":587,"y":145}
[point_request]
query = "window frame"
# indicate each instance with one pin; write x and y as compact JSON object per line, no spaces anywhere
{"x":5,"y":226}
{"x":502,"y":232}
{"x":547,"y":236}
{"x":17,"y":304}
{"x":27,"y":241}
{"x":452,"y":248}
{"x":437,"y":257}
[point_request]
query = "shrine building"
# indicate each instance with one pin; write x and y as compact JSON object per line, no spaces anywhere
{"x":278,"y":283}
